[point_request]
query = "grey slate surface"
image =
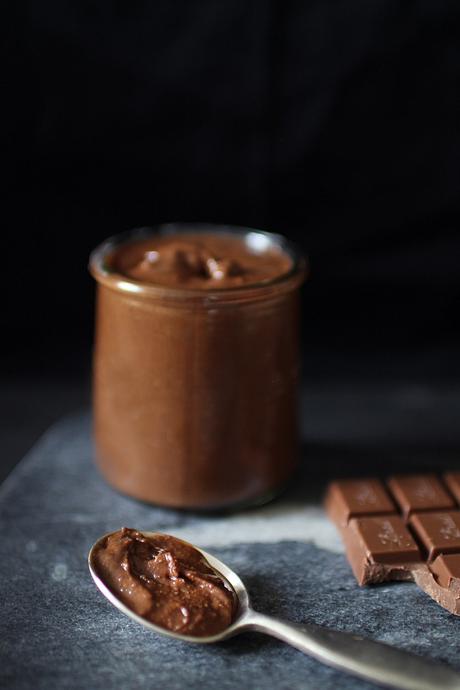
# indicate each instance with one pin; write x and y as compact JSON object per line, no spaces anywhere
{"x":57,"y":631}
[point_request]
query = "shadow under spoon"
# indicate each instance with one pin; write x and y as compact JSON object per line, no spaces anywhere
{"x":360,"y":656}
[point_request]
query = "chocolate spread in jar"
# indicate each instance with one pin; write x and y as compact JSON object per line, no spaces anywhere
{"x":166,"y":581}
{"x":200,"y":261}
{"x":196,"y":366}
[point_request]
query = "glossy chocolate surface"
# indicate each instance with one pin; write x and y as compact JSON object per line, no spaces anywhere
{"x":166,"y":581}
{"x":200,"y":261}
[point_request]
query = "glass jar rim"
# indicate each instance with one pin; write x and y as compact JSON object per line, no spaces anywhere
{"x":259,"y":239}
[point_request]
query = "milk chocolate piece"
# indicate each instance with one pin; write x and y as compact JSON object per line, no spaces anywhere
{"x":452,"y":480}
{"x":447,"y":570}
{"x":419,"y":540}
{"x":441,"y":581}
{"x":438,"y":532}
{"x":350,"y":498}
{"x":377,"y":547}
{"x":419,"y":492}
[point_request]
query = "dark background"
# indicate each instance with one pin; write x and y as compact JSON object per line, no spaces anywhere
{"x":332,"y":122}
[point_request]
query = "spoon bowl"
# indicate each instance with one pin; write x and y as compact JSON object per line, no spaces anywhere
{"x":360,"y":656}
{"x":243,"y":613}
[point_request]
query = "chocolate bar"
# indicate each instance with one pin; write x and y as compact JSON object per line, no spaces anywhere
{"x":407,"y":528}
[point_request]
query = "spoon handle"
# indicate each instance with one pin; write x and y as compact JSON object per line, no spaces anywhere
{"x":375,"y":661}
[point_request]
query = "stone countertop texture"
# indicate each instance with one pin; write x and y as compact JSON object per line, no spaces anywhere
{"x":57,"y":631}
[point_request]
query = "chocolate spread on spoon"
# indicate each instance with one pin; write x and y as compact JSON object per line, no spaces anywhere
{"x":166,"y":581}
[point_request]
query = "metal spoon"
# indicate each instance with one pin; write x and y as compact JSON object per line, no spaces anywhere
{"x":348,"y":652}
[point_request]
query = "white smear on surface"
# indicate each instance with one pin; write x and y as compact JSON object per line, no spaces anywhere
{"x":269,"y":524}
{"x":59,"y":572}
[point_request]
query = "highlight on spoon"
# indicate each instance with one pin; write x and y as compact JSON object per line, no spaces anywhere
{"x":167,"y":584}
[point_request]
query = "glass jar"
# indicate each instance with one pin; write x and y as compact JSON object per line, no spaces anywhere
{"x":195,"y":391}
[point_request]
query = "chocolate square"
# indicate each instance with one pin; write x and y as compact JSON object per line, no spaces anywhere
{"x":386,"y":539}
{"x":452,"y":480}
{"x":447,"y":570}
{"x":438,"y":532}
{"x":350,"y":498}
{"x":419,"y":492}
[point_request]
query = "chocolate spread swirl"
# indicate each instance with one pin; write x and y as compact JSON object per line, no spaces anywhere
{"x":201,"y":261}
{"x":166,"y":581}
